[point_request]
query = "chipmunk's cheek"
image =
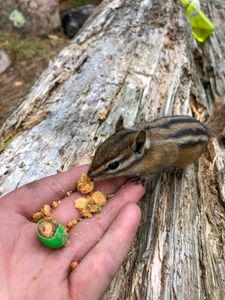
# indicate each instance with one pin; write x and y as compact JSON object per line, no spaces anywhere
{"x":95,"y":175}
{"x":104,"y":176}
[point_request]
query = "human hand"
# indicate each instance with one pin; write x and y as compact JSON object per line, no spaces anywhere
{"x":99,"y":244}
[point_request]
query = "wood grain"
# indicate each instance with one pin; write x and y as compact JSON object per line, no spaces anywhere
{"x":136,"y":58}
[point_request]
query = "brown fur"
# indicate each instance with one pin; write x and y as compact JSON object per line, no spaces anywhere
{"x":188,"y":156}
{"x":216,"y":123}
{"x":175,"y":141}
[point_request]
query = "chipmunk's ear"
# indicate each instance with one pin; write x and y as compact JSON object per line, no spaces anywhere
{"x":140,"y":142}
{"x":119,"y":124}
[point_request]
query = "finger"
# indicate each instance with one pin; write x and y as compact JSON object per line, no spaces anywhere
{"x":29,"y":198}
{"x":89,"y":231}
{"x":99,"y":267}
{"x":66,"y":210}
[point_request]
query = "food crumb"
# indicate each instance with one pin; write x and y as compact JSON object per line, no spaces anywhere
{"x":71,"y":224}
{"x":92,"y":204}
{"x":73,"y":265}
{"x":84,"y":184}
{"x":46,"y":210}
{"x":88,"y":205}
{"x":55,"y":204}
{"x":37,"y":216}
{"x":69,"y":193}
{"x":47,"y":228}
{"x":98,"y":198}
{"x":81,"y":203}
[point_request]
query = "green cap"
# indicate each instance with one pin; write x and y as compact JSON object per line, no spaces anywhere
{"x":51,"y":233}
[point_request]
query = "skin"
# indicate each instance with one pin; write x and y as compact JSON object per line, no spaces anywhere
{"x":31,"y":271}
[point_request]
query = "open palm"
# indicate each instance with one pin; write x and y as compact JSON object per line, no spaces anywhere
{"x":99,"y":244}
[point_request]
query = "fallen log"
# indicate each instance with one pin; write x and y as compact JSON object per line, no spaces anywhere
{"x":136,"y":58}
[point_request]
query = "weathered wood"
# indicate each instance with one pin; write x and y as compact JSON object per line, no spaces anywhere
{"x":137,"y":58}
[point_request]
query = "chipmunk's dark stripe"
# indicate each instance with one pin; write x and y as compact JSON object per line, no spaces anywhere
{"x":167,"y":122}
{"x":195,"y":131}
{"x":130,"y":165}
{"x":189,"y":144}
{"x":183,"y":121}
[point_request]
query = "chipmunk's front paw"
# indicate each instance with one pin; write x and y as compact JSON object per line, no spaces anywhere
{"x":178,"y":172}
{"x":137,"y":179}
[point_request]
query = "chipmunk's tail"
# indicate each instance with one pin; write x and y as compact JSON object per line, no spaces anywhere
{"x":216,"y":123}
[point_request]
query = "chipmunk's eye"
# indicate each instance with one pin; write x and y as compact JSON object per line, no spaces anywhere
{"x":113,"y":166}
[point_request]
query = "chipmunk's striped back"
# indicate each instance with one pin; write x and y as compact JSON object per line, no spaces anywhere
{"x":185,"y":131}
{"x":180,"y":139}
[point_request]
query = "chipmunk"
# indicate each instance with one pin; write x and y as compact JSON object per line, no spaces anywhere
{"x":166,"y":142}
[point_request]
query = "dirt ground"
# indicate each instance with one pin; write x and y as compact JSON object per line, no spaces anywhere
{"x":29,"y":55}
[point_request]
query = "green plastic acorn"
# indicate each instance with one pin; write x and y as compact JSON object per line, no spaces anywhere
{"x":51,"y":233}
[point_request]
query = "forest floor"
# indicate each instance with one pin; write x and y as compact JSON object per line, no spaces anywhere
{"x":30,"y":56}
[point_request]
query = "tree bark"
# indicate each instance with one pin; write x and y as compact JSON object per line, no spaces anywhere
{"x":136,"y":58}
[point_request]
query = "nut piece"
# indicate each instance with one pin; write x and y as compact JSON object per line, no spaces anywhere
{"x":81,"y":203}
{"x":91,"y":204}
{"x":47,"y":228}
{"x":55,"y":204}
{"x":46,"y":210}
{"x":71,"y":224}
{"x":84,"y":184}
{"x":38,"y":216}
{"x":98,"y":198}
{"x":86,"y":213}
{"x":73,"y":265}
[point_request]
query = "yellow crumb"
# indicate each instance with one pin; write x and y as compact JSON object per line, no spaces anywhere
{"x":46,"y":210}
{"x":84,"y":184}
{"x":38,"y":216}
{"x":98,"y":198}
{"x":86,"y":213}
{"x":73,"y":265}
{"x":71,"y":224}
{"x":92,"y":204}
{"x":81,"y":203}
{"x":69,"y":193}
{"x":55,"y":204}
